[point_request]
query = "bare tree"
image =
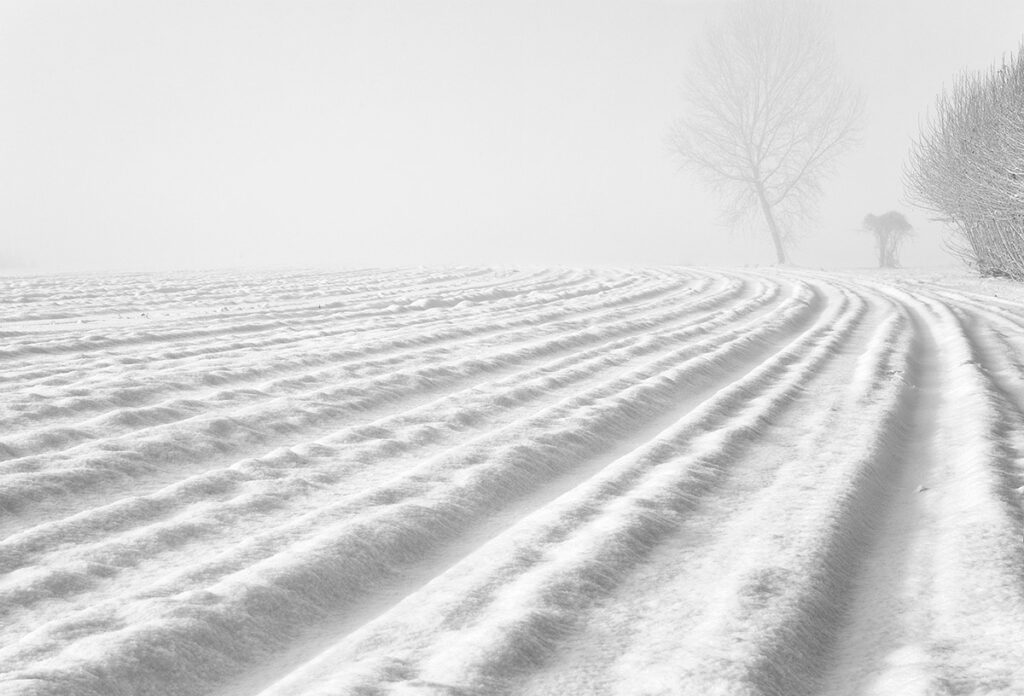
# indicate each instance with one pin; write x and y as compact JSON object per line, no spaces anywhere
{"x":890,"y":231}
{"x":968,"y":167}
{"x":767,"y":113}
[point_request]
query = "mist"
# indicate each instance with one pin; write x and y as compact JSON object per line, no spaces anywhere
{"x":149,"y":135}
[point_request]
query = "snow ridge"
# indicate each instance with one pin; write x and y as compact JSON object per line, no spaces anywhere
{"x":488,"y":481}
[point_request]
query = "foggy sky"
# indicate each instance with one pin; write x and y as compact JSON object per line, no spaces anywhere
{"x":175,"y":134}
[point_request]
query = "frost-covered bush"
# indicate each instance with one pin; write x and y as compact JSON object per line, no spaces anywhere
{"x":968,"y":166}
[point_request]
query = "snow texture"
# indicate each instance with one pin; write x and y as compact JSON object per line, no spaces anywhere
{"x":487,"y":481}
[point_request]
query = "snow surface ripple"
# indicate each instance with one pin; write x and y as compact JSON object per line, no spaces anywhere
{"x":500,"y":481}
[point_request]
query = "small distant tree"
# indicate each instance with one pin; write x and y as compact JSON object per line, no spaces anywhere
{"x":767,"y":113}
{"x":890,"y":231}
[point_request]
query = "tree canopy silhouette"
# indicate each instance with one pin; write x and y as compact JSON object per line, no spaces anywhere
{"x":890,"y":231}
{"x":766,"y":113}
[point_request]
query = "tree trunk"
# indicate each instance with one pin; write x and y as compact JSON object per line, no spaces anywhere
{"x":773,"y":227}
{"x":881,"y":251}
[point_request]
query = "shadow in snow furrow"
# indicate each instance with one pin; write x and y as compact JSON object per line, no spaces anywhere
{"x":607,"y":486}
{"x":253,"y":430}
{"x":1012,"y":321}
{"x":219,"y":367}
{"x":161,"y":289}
{"x":258,"y":290}
{"x":986,"y":302}
{"x":503,"y":608}
{"x":975,"y":366}
{"x":1003,"y":369}
{"x":881,"y":645}
{"x":143,"y":292}
{"x":771,"y":620}
{"x":459,"y":493}
{"x":216,"y":347}
{"x":386,"y":307}
{"x":569,"y":369}
{"x":365,"y":349}
{"x":66,"y":542}
{"x":766,"y":578}
{"x":646,"y":637}
{"x":70,"y":411}
{"x":190,"y":374}
{"x":977,"y":561}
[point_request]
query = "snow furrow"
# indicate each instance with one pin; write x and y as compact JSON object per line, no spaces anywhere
{"x":220,"y":435}
{"x":201,"y":370}
{"x":55,"y":537}
{"x":504,"y":481}
{"x":476,"y":408}
{"x":457,"y":488}
{"x":305,"y":367}
{"x":949,"y":621}
{"x":393,"y":318}
{"x":505,"y":606}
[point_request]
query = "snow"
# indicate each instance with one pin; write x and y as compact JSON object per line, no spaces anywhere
{"x":539,"y":481}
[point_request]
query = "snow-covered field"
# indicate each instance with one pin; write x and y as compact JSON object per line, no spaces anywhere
{"x":479,"y":481}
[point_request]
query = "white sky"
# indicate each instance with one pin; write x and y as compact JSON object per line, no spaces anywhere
{"x":176,"y":133}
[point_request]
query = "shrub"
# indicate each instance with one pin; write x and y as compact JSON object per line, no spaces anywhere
{"x":968,"y":166}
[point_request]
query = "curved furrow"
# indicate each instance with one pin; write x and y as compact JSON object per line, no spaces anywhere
{"x":524,"y":481}
{"x":146,"y":452}
{"x":1001,"y":360}
{"x":250,"y":294}
{"x":395,"y":314}
{"x":142,"y":291}
{"x":979,"y":524}
{"x":1002,"y":313}
{"x":442,"y":495}
{"x":123,"y":400}
{"x":940,"y":607}
{"x":358,"y":351}
{"x":1012,"y":300}
{"x":339,"y":462}
{"x":747,"y":591}
{"x":157,"y":293}
{"x":215,"y":368}
{"x":220,"y":365}
{"x":772,"y":607}
{"x":194,"y":376}
{"x":494,"y":615}
{"x":216,"y":343}
{"x":546,"y":372}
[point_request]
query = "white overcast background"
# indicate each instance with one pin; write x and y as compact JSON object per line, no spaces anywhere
{"x":139,"y":134}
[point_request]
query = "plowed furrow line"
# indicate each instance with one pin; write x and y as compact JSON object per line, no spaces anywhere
{"x":215,"y":367}
{"x":546,"y":373}
{"x":220,"y":367}
{"x":743,"y":584}
{"x":512,"y":599}
{"x":171,"y":288}
{"x":384,"y":440}
{"x":439,"y":499}
{"x":999,"y":313}
{"x":155,"y":331}
{"x":144,"y":452}
{"x":208,"y":295}
{"x":986,"y":301}
{"x":295,"y":296}
{"x":388,"y":311}
{"x":194,"y":375}
{"x":981,"y":527}
{"x":481,"y":481}
{"x":392,"y":318}
{"x":948,"y":621}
